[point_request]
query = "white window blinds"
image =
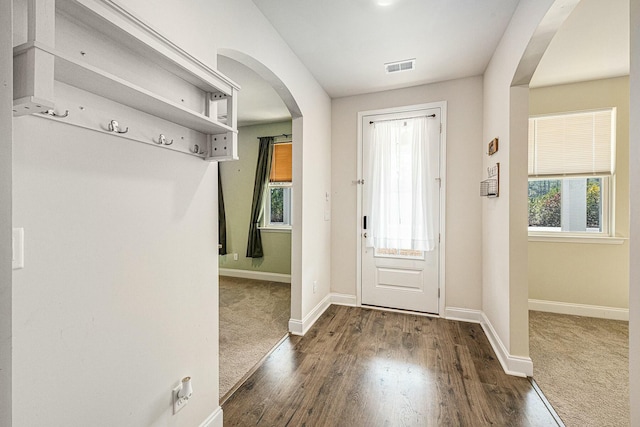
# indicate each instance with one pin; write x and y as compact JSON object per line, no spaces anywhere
{"x":572,"y":144}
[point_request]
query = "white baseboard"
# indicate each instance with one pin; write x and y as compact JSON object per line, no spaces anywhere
{"x":343,"y":299}
{"x":296,"y":327}
{"x":256,"y":275}
{"x":463,"y":314}
{"x":300,"y":327}
{"x":213,"y":420}
{"x":512,"y":365}
{"x":584,"y":310}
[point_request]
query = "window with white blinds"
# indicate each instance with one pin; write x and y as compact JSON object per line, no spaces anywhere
{"x":580,"y":143}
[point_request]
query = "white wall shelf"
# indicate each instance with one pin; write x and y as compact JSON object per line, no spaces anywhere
{"x":124,"y":43}
{"x":94,"y":80}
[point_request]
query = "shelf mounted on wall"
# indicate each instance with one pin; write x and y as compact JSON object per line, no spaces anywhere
{"x":66,"y":73}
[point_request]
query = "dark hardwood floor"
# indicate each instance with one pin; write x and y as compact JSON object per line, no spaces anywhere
{"x":363,"y":367}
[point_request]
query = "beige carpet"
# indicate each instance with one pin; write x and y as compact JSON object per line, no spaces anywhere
{"x":254,"y":316}
{"x":581,"y":364}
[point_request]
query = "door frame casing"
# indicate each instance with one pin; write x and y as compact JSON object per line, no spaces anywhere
{"x":442,"y":105}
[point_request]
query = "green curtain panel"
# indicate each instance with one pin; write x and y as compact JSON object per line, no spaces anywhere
{"x":222,"y":218}
{"x":254,"y":244}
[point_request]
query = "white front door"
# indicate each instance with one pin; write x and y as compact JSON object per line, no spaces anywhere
{"x":401,"y":210}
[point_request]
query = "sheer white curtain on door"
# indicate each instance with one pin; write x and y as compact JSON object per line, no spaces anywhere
{"x":400,"y":194}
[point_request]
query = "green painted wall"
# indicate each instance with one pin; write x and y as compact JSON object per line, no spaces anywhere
{"x":237,"y":187}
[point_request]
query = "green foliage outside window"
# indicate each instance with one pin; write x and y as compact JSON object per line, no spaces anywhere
{"x":593,"y":202}
{"x":545,"y":209}
{"x":277,"y":205}
{"x":545,"y":203}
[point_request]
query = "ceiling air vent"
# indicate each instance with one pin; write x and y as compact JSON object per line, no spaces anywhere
{"x":396,"y":67}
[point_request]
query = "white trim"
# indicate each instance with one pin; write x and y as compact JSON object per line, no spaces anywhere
{"x":297,"y":327}
{"x":442,"y":105}
{"x":577,"y":239}
{"x":272,"y":229}
{"x":7,"y":359}
{"x":463,"y":314}
{"x":358,"y":218}
{"x":266,"y":207}
{"x":256,"y":275}
{"x":343,"y":299}
{"x":213,"y":420}
{"x":512,"y":365}
{"x":585,"y":310}
{"x":443,"y":203}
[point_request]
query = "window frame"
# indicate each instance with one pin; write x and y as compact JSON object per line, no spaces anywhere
{"x":607,"y":189}
{"x":607,"y":209}
{"x":266,"y":218}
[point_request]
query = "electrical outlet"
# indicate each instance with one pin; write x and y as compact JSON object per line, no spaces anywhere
{"x":235,"y":257}
{"x":181,"y":394}
{"x":315,"y":286}
{"x":178,"y":402}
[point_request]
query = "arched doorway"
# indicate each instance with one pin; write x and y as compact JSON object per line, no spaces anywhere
{"x":548,"y":28}
{"x":255,"y":285}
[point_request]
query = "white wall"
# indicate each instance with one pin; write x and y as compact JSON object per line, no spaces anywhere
{"x":634,"y":239}
{"x":119,"y":279}
{"x":463,"y":203}
{"x":116,"y":247}
{"x":240,"y":26}
{"x":6,"y":101}
{"x":504,"y":218}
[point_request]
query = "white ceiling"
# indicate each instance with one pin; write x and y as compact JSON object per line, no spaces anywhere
{"x":345,"y":43}
{"x":593,"y":43}
{"x":258,"y":102}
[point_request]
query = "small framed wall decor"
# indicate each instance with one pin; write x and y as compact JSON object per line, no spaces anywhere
{"x":493,"y":147}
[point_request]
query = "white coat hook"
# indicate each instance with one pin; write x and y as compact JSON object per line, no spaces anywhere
{"x":115,"y":127}
{"x":196,"y":149}
{"x":163,"y":140}
{"x":52,"y":113}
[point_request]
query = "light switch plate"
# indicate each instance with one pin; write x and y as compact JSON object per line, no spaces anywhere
{"x":17,"y":261}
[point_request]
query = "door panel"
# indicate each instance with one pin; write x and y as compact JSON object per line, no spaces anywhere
{"x":400,"y":279}
{"x":403,"y":278}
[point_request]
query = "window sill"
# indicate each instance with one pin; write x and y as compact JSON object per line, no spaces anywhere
{"x":604,"y":240}
{"x":275,"y":229}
